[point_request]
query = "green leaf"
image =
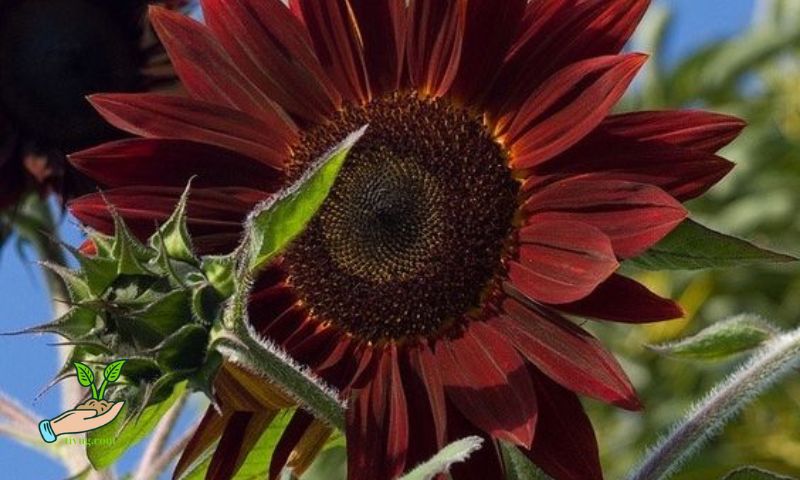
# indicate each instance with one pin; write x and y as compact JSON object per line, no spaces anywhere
{"x":519,"y":466}
{"x":113,"y":371}
{"x":753,"y":473}
{"x":128,"y":252}
{"x":282,"y":218}
{"x":161,"y":318}
{"x":85,"y":374}
{"x":184,"y":349}
{"x":75,"y":324}
{"x":175,"y":233}
{"x":457,"y":452}
{"x":126,"y":434}
{"x":692,"y":246}
{"x":729,"y":337}
{"x":76,"y":285}
{"x":220,"y":272}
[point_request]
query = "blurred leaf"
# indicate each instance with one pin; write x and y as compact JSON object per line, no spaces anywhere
{"x":729,"y":337}
{"x":457,"y":452}
{"x":277,"y":222}
{"x":125,"y":433}
{"x":518,"y":466}
{"x":713,"y":72}
{"x":692,"y":246}
{"x":753,"y":473}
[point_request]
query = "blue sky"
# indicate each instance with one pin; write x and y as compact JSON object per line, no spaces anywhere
{"x":27,"y":363}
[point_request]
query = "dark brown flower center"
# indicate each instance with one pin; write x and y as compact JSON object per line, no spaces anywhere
{"x":413,"y":231}
{"x":55,"y":52}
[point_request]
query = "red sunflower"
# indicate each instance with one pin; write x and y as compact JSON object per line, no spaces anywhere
{"x":53,"y":53}
{"x":493,"y":193}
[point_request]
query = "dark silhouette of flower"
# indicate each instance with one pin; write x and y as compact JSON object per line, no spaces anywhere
{"x":493,"y":193}
{"x":53,"y":53}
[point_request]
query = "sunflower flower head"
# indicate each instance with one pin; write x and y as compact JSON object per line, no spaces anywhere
{"x":492,"y":198}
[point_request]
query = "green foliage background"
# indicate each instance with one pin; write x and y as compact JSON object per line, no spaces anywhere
{"x":755,"y":76}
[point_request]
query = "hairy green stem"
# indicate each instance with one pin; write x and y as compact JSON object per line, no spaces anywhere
{"x":779,"y":357}
{"x":243,"y":347}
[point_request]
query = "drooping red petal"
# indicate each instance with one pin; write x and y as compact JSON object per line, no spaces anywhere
{"x":291,"y":436}
{"x":487,"y":380}
{"x":565,"y":446}
{"x":684,"y":173}
{"x":435,"y":43}
{"x":621,"y":299}
{"x":240,"y":436}
{"x":397,"y":428}
{"x":382,"y":27}
{"x":272,"y":48}
{"x":483,"y":464}
{"x":207,"y":432}
{"x":566,"y":108}
{"x":215,"y":215}
{"x":566,"y":353}
{"x":377,"y":423}
{"x":559,"y":33}
{"x":560,"y":262}
{"x":164,"y":116}
{"x":427,"y":426}
{"x":634,"y":216}
{"x":491,"y":28}
{"x":171,"y":163}
{"x":339,"y":45}
{"x":424,"y":362}
{"x":206,"y":70}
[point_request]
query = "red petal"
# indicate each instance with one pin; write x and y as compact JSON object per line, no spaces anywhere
{"x":559,"y":33}
{"x":240,"y":436}
{"x":424,"y":362}
{"x":272,"y":48}
{"x":484,"y":464}
{"x":206,"y":433}
{"x":338,"y":45}
{"x":289,"y":439}
{"x":382,"y":26}
{"x":560,"y":262}
{"x":684,"y":173}
{"x":566,"y":353}
{"x":565,"y":446}
{"x":633,"y":215}
{"x":621,"y":299}
{"x":397,"y":443}
{"x":695,"y":129}
{"x":566,"y":108}
{"x":377,"y":424}
{"x":163,"y":116}
{"x":488,"y":382}
{"x":171,"y":163}
{"x":491,"y":28}
{"x":206,"y":70}
{"x":435,"y":42}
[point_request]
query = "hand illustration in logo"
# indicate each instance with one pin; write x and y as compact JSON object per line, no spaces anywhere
{"x":90,"y":415}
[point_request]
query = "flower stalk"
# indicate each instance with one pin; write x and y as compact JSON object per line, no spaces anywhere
{"x":779,"y":357}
